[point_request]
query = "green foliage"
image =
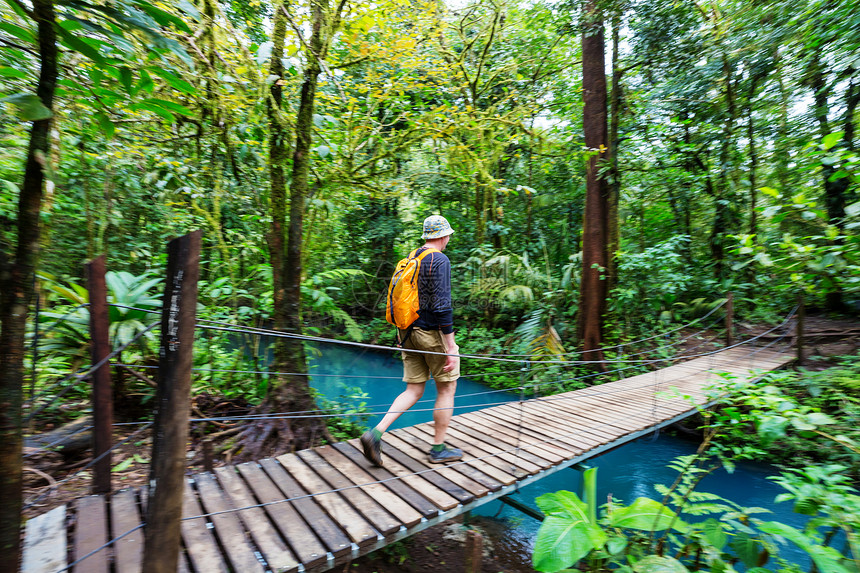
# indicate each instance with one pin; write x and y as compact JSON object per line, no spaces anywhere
{"x":349,"y":413}
{"x":133,"y":308}
{"x":777,"y":416}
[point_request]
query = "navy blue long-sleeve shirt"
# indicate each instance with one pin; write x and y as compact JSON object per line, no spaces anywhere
{"x":435,"y":311}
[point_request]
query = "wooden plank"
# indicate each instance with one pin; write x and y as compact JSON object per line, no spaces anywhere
{"x":44,"y":548}
{"x":200,"y":544}
{"x":573,"y":430}
{"x":358,"y":476}
{"x":508,"y":433}
{"x":579,"y":425}
{"x":415,"y":490}
{"x":419,"y":457}
{"x":379,"y":518}
{"x":634,"y":416}
{"x":411,"y":467}
{"x":125,"y":517}
{"x":335,"y":505}
{"x":91,"y":535}
{"x":305,"y":545}
{"x":527,"y":462}
{"x":572,"y":435}
{"x":480,"y":449}
{"x":481,"y":461}
{"x":485,"y":430}
{"x":276,"y":553}
{"x":520,"y":429}
{"x":228,"y":527}
{"x":332,"y":536}
{"x":579,"y":408}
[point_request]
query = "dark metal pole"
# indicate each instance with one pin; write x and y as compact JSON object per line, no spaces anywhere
{"x":730,"y":317}
{"x":101,"y":382}
{"x":173,"y":399}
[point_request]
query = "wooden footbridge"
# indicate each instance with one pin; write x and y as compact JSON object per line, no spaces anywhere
{"x":316,"y":509}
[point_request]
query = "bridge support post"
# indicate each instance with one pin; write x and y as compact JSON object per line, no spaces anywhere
{"x":101,"y":382}
{"x":474,"y":551}
{"x":170,"y":434}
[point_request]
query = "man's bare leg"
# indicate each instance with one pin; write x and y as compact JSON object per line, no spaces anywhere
{"x":443,"y":411}
{"x":402,"y":403}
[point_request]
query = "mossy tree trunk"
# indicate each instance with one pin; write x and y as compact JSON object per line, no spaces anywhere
{"x":17,"y":268}
{"x":593,"y":291}
{"x":290,"y":392}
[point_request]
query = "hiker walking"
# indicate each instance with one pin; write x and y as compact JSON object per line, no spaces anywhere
{"x":419,"y":304}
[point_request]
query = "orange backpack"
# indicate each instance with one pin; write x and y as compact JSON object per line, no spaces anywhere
{"x":401,"y":308}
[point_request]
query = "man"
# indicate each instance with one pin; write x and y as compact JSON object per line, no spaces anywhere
{"x":433,"y":331}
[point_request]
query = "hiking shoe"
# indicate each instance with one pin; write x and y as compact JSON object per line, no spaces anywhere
{"x":372,"y":447}
{"x":446,"y":455}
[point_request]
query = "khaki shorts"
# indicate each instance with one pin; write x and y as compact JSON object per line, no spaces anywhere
{"x":417,"y":368}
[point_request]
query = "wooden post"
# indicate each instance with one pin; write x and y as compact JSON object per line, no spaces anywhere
{"x":173,"y":399}
{"x":474,"y":551}
{"x":101,"y":382}
{"x":208,"y":464}
{"x":801,"y":317}
{"x":730,"y":317}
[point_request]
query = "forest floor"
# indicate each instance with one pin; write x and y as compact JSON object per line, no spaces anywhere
{"x":51,"y":479}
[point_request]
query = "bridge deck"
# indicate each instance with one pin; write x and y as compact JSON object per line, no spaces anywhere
{"x":356,"y":508}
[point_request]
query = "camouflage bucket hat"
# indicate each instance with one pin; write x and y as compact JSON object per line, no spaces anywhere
{"x":436,"y":226}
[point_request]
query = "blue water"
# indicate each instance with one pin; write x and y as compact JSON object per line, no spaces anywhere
{"x":625,"y":473}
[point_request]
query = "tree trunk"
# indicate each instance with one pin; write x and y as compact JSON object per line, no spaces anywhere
{"x":613,"y":238}
{"x":290,"y":392}
{"x":594,"y":235}
{"x":16,"y":289}
{"x":835,"y":192}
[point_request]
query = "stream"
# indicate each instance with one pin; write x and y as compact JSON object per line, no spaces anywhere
{"x":626,"y":473}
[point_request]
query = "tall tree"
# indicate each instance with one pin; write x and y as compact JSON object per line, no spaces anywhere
{"x":595,"y":232}
{"x":291,"y":392}
{"x":17,"y":271}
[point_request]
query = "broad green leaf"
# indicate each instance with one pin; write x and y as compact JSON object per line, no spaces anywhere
{"x":157,"y":110}
{"x":832,"y":139}
{"x":126,"y":79}
{"x":106,"y":125}
{"x":563,"y":503}
{"x":162,"y":17}
{"x":123,"y":465}
{"x":616,"y":545}
{"x":17,"y":9}
{"x":74,"y":43}
{"x":853,"y":209}
{"x":561,"y":542}
{"x":22,"y":34}
{"x":658,"y":564}
{"x":825,"y":558}
{"x":174,"y":81}
{"x":145,"y":82}
{"x":168,"y":105}
{"x":188,"y":8}
{"x":644,"y":514}
{"x":772,"y":427}
{"x":714,"y":533}
{"x":30,"y":107}
{"x":747,"y":548}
